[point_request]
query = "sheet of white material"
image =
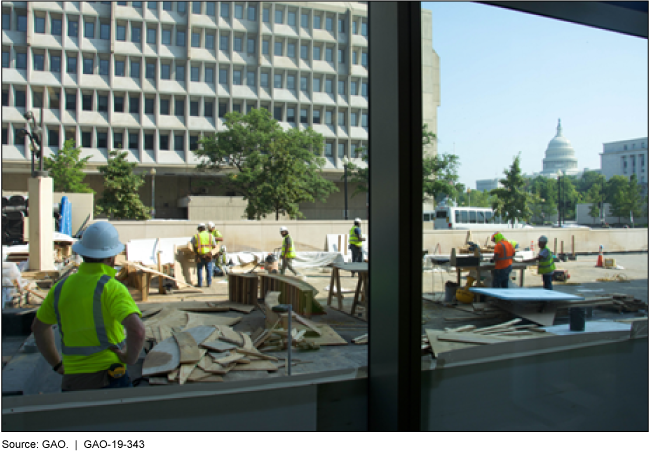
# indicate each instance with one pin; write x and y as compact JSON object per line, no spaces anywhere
{"x":306,"y":259}
{"x":590,"y":327}
{"x":332,"y":243}
{"x":144,"y":250}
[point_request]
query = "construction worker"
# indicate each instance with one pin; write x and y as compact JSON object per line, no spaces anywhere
{"x":92,"y":311}
{"x":222,"y":261}
{"x":288,"y":252}
{"x":215,"y":233}
{"x":545,"y":263}
{"x":355,"y":241}
{"x":503,"y":254}
{"x":203,"y":243}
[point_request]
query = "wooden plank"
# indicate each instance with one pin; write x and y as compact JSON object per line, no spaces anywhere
{"x":189,"y":349}
{"x":461,"y":329}
{"x":255,"y":353}
{"x":256,"y":365}
{"x":328,"y":337}
{"x":499,"y":326}
{"x":469,"y":338}
{"x":361,"y":339}
{"x":219,"y":346}
{"x":309,"y":324}
{"x":239,"y":307}
{"x":229,"y":359}
{"x":198,"y":374}
{"x":154,"y":272}
{"x":201,"y":333}
{"x":194,"y":320}
{"x":248,"y":344}
{"x":230,"y":335}
{"x":162,"y":359}
{"x":150,"y":312}
{"x":186,"y":369}
{"x":208,"y":308}
{"x":259,"y":341}
{"x":443,"y":346}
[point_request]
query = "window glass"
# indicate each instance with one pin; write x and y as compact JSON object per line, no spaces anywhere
{"x":237,"y":44}
{"x":21,"y":60}
{"x":341,"y":87}
{"x":341,"y":117}
{"x":223,"y":43}
{"x":223,"y":109}
{"x":118,"y":103}
{"x":167,"y":6}
{"x":196,"y":40}
{"x":86,"y":139}
{"x":266,"y":12}
{"x":180,"y":38}
{"x":277,"y":113}
{"x":364,"y":28}
{"x":102,"y":103}
{"x":252,"y":13}
{"x":364,"y":120}
{"x":179,"y":142}
{"x":151,"y":35}
{"x":250,"y":79}
{"x":22,"y":22}
{"x":353,"y":88}
{"x":102,"y":139}
{"x":19,"y":98}
{"x":6,"y":22}
{"x":136,"y":34}
{"x":88,"y":66}
{"x":236,"y":77}
{"x":236,"y":108}
{"x":148,"y":106}
{"x":303,"y":83}
{"x":328,"y":117}
{"x":209,"y":41}
{"x":291,"y":50}
{"x":194,"y":108}
{"x":164,"y":106}
{"x":265,"y":47}
{"x":165,"y":71}
{"x":329,"y":24}
{"x":472,"y":216}
{"x":223,"y":76}
{"x":208,"y":109}
{"x":148,"y":141}
{"x":39,"y":62}
{"x":328,"y":149}
{"x":278,"y":49}
{"x":303,"y":116}
{"x":119,"y":68}
{"x":291,"y":82}
{"x":292,"y":18}
{"x":136,"y":4}
{"x":72,"y":65}
{"x":53,"y":138}
{"x":304,"y":20}
{"x":264,"y":80}
{"x":194,"y":141}
{"x":278,"y":16}
{"x":316,"y":53}
{"x":239,"y":11}
{"x":39,"y":24}
{"x":341,"y":56}
{"x":291,"y":115}
{"x":180,"y":73}
{"x":354,"y":27}
{"x":179,"y":107}
{"x":167,"y":37}
{"x":181,"y":7}
{"x":364,"y":59}
{"x":364,"y":89}
{"x":303,"y":52}
{"x":277,"y":81}
{"x":328,"y":54}
{"x":341,"y":26}
{"x":5,"y":58}
{"x":73,"y":27}
{"x":209,"y":75}
{"x":163,"y":142}
{"x":120,"y":33}
{"x":134,"y":104}
{"x":341,"y":150}
{"x":56,"y":27}
{"x":103,"y":67}
{"x":353,"y":120}
{"x":225,"y":10}
{"x":89,"y":29}
{"x":135,"y":69}
{"x":316,"y":85}
{"x":328,"y":86}
{"x":209,"y":8}
{"x":104,"y":31}
{"x":196,"y":7}
{"x":134,"y":139}
{"x":250,"y":48}
{"x":152,"y":5}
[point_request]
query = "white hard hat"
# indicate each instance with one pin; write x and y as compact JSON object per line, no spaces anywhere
{"x":211,"y":225}
{"x":283,"y":229}
{"x":357,"y":220}
{"x":201,"y":225}
{"x":99,"y":241}
{"x":223,"y":248}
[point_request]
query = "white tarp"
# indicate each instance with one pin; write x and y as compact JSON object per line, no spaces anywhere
{"x":333,"y":246}
{"x":304,"y":259}
{"x":144,"y":250}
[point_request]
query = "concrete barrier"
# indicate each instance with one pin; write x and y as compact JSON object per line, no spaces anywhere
{"x":311,"y":235}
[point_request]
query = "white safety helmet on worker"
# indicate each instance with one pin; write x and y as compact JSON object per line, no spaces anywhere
{"x":357,"y":220}
{"x":283,"y":229}
{"x":223,"y":248}
{"x":201,"y":225}
{"x":211,"y":225}
{"x":100,"y":241}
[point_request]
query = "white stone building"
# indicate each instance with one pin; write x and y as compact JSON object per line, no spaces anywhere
{"x":626,"y":158}
{"x":559,"y":156}
{"x":487,"y":184}
{"x":153,"y":77}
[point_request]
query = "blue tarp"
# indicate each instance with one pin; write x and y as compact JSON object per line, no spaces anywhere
{"x":65,"y":225}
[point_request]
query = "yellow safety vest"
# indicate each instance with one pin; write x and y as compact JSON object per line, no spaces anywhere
{"x":291,"y":253}
{"x":216,"y":234}
{"x":354,"y":240}
{"x":547,"y":265}
{"x":513,"y":243}
{"x":203,"y":243}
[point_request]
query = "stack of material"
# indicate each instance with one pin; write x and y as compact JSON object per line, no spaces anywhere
{"x":299,"y":294}
{"x":243,"y":288}
{"x":139,"y":277}
{"x":625,"y":303}
{"x":32,"y":286}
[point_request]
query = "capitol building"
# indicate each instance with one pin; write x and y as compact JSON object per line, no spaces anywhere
{"x":559,"y":156}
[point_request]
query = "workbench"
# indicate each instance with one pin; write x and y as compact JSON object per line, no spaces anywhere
{"x":361,"y":292}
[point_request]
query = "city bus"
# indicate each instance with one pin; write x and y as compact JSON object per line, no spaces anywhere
{"x":464,"y":218}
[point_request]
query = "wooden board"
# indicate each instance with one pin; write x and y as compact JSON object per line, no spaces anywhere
{"x":443,"y":346}
{"x":219,"y":346}
{"x":248,"y":344}
{"x":162,"y":359}
{"x":256,"y":354}
{"x":154,"y":272}
{"x":309,"y":324}
{"x":230,"y":359}
{"x":198,"y":374}
{"x":165,"y":332}
{"x":201,"y":333}
{"x":189,"y":349}
{"x":207,"y":308}
{"x":531,"y":312}
{"x":168,"y":316}
{"x":256,"y":365}
{"x":149,"y":312}
{"x":328,"y":337}
{"x":186,"y":369}
{"x":230,"y":335}
{"x":239,"y":307}
{"x":470,"y":338}
{"x":194,"y":320}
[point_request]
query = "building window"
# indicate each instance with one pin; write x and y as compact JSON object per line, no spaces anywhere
{"x":135,"y":69}
{"x":316,"y":53}
{"x":117,"y":140}
{"x":303,"y":52}
{"x":364,"y":28}
{"x":328,"y":117}
{"x":120,"y":33}
{"x":22,"y":22}
{"x":39,"y":24}
{"x":304,"y":20}
{"x":167,"y":37}
{"x":181,"y":7}
{"x":291,"y":50}
{"x":164,"y":106}
{"x":5,"y":98}
{"x":163,"y":141}
{"x":5,"y":58}
{"x":149,"y":105}
{"x":265,"y":47}
{"x":136,"y":34}
{"x":39,"y":62}
{"x":341,"y":116}
{"x":180,"y":38}
{"x":291,"y":115}
{"x":194,"y":73}
{"x":6,"y":23}
{"x":19,"y":139}
{"x":180,"y":73}
{"x":150,"y":71}
{"x":148,"y":141}
{"x":236,"y":108}
{"x":278,"y":49}
{"x":353,"y":120}
{"x":317,"y":22}
{"x":194,"y":108}
{"x":341,"y":87}
{"x":266,"y":12}
{"x":167,"y":6}
{"x":119,"y":68}
{"x":179,"y":107}
{"x":364,"y":120}
{"x":102,"y":103}
{"x":104,"y":31}
{"x":277,"y":81}
{"x":209,"y":41}
{"x":278,"y":16}
{"x":196,"y":7}
{"x":329,"y":54}
{"x":179,"y":142}
{"x":341,"y":150}
{"x":328,"y":86}
{"x":19,"y":98}
{"x":303,"y":84}
{"x":196,"y":40}
{"x":209,"y":75}
{"x":250,"y":79}
{"x":264,"y":80}
{"x":223,"y":43}
{"x":88,"y":65}
{"x":225,"y":10}
{"x":341,"y":56}
{"x":37,"y":99}
{"x":316,"y":85}
{"x":21,"y":60}
{"x":250,"y":47}
{"x":52,"y":139}
{"x":364,"y":59}
{"x":56,"y":27}
{"x":237,"y":44}
{"x":194,"y":142}
{"x":118,"y":104}
{"x":134,"y":104}
{"x":86,"y":139}
{"x":136,"y":4}
{"x":223,"y":76}
{"x":103,"y":67}
{"x":165,"y":71}
{"x":364,"y":89}
{"x":303,"y":116}
{"x":291,"y":82}
{"x":341,"y":26}
{"x":329,"y":24}
{"x":134,"y":139}
{"x":209,"y":8}
{"x":328,"y":149}
{"x":102,"y":139}
{"x":72,"y":65}
{"x":354,"y":27}
{"x":239,"y":11}
{"x":252,"y":16}
{"x":208,"y":109}
{"x":292,"y":18}
{"x":277,"y":113}
{"x":236,"y":77}
{"x":223,"y":109}
{"x":89,"y":29}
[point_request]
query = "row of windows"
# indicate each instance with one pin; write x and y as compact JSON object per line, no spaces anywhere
{"x":96,"y":101}
{"x":130,"y":139}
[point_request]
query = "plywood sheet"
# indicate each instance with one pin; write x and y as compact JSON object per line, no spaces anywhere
{"x":162,"y":359}
{"x":168,"y":316}
{"x":219,"y":346}
{"x":328,"y":337}
{"x":209,"y":319}
{"x":521,"y":294}
{"x":244,"y":308}
{"x":189,"y":349}
{"x":234,"y":356}
{"x":438,"y":347}
{"x":470,"y":338}
{"x":230,"y":335}
{"x":256,"y":365}
{"x":201,"y":333}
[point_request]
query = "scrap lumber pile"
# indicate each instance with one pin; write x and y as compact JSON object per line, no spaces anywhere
{"x":35,"y":284}
{"x":624,"y":303}
{"x":299,"y":294}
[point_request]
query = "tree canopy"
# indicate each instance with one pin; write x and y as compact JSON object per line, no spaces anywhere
{"x":512,"y":201}
{"x":273,"y":169}
{"x":66,"y":169}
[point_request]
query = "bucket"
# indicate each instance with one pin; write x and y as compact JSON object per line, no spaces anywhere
{"x":450,"y":291}
{"x":577,"y":319}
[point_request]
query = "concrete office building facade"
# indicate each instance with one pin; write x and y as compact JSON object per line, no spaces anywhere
{"x":625,"y":158}
{"x":153,"y":77}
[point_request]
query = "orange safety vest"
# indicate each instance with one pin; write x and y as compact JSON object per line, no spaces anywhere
{"x":503,"y":254}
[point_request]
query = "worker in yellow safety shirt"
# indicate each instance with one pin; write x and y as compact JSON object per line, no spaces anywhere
{"x":222,"y":261}
{"x":203,"y":243}
{"x":545,"y":263}
{"x":503,"y":254}
{"x":215,"y":233}
{"x":92,"y":310}
{"x":288,"y":252}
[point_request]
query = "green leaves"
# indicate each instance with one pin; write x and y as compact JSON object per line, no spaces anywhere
{"x":275,"y":170}
{"x":120,"y":199}
{"x":512,"y":201}
{"x":66,"y":169}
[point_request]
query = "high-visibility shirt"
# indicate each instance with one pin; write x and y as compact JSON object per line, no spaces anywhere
{"x":354,"y":238}
{"x":503,"y":254}
{"x":203,"y":243}
{"x":546,"y":263}
{"x":216,"y":234}
{"x":287,"y":244}
{"x":222,"y":260}
{"x":513,"y":243}
{"x":89,"y":307}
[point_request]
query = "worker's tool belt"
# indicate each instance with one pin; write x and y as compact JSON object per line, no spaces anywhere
{"x":82,"y":382}
{"x":204,"y":257}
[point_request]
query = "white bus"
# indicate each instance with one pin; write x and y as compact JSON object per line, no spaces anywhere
{"x":464,"y":218}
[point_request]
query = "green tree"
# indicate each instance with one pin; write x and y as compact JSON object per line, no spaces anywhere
{"x":570,"y":196}
{"x":120,"y":198}
{"x":359,"y":176}
{"x":441,"y":176}
{"x":66,"y":169}
{"x":545,"y":191}
{"x":594,"y":193}
{"x":512,"y":201}
{"x":628,"y":200}
{"x":474,"y":198}
{"x":273,"y":169}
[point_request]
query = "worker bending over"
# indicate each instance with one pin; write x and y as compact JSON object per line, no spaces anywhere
{"x":92,"y":310}
{"x":215,"y":233}
{"x":288,"y":252}
{"x":222,"y":261}
{"x":203,"y":243}
{"x":503,"y":254}
{"x":545,"y":263}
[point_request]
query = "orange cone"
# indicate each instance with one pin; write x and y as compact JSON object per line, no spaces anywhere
{"x":532,"y":246}
{"x":599,"y":263}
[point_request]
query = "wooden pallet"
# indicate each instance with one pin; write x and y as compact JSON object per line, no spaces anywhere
{"x":299,"y":294}
{"x":243,"y":288}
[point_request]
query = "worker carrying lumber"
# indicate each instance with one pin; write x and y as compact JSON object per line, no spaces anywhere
{"x":288,"y":252}
{"x":203,"y":243}
{"x":545,"y":262}
{"x":503,"y":254}
{"x":215,"y":233}
{"x":92,"y":310}
{"x":222,"y":261}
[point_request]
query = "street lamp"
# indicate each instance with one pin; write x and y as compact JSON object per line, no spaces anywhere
{"x":35,"y":141}
{"x":559,"y":198}
{"x":152,"y":171}
{"x":346,"y":162}
{"x":469,"y":197}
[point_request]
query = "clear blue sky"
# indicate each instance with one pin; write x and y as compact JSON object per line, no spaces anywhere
{"x":506,"y":77}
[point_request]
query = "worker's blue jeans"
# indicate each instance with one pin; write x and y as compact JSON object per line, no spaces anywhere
{"x":547,"y":279}
{"x":500,"y":277}
{"x":200,"y":263}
